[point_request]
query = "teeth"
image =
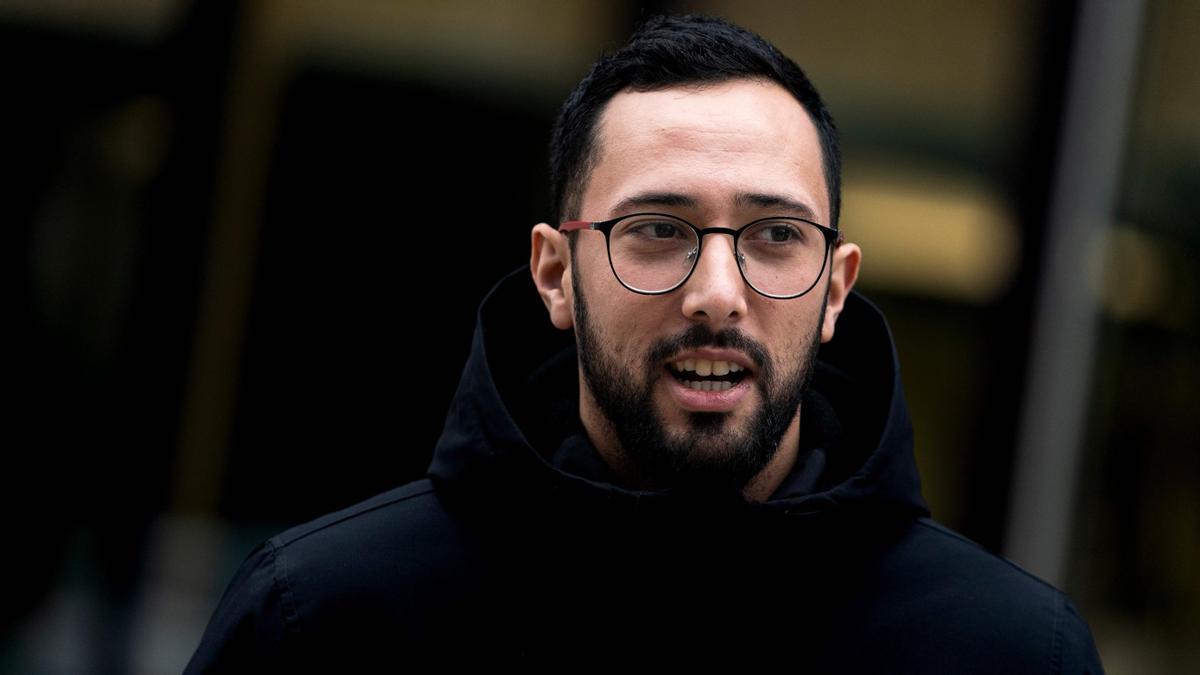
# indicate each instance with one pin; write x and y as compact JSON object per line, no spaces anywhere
{"x":709,"y":386}
{"x":703,"y":367}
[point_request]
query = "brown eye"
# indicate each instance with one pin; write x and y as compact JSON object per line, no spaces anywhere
{"x":664,"y":230}
{"x":781,"y":233}
{"x":776,"y":232}
{"x":655,"y":229}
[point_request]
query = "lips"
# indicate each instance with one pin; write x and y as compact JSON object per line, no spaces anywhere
{"x":709,"y":380}
{"x":707,"y":395}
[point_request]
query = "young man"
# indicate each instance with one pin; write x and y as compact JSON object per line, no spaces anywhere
{"x":703,"y":455}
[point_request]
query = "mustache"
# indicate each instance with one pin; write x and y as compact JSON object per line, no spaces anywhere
{"x":699,"y":335}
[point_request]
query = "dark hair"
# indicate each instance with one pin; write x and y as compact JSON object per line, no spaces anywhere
{"x":667,"y":51}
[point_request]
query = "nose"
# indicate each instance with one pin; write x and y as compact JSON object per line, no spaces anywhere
{"x":715,"y":293}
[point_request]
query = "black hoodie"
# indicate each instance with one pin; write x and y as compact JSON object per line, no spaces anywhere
{"x":519,"y":546}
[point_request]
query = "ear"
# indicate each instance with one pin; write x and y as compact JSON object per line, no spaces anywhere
{"x":550,"y":264}
{"x":844,"y":273}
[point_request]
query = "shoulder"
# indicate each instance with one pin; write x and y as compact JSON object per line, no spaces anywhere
{"x":934,"y":545}
{"x":375,"y":548}
{"x":387,"y":513}
{"x":983,"y":607}
{"x":383,"y":564}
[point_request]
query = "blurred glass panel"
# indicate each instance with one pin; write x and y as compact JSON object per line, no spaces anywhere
{"x":1138,"y":522}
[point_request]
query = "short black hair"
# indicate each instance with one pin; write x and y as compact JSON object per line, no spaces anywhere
{"x":668,"y":51}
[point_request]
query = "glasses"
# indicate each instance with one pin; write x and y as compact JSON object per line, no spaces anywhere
{"x":654,"y":253}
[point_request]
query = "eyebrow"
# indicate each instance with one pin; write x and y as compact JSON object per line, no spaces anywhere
{"x":780,"y":202}
{"x":741,"y":200}
{"x":644,"y":199}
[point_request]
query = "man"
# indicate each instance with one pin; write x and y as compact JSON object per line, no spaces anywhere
{"x":717,"y":467}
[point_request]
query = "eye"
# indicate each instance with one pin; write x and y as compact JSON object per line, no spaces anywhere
{"x":655,"y":229}
{"x":782,"y":233}
{"x":776,"y":232}
{"x":662,"y":230}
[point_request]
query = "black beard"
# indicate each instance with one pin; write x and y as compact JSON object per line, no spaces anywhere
{"x":672,"y":462}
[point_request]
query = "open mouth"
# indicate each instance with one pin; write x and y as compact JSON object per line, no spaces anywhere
{"x":706,"y":377}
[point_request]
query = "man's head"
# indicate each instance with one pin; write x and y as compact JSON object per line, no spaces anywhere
{"x":707,"y":122}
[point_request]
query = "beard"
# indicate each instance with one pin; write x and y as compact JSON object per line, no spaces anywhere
{"x":709,"y":459}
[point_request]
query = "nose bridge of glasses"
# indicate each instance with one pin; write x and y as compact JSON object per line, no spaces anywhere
{"x":719,"y":252}
{"x":714,"y":246}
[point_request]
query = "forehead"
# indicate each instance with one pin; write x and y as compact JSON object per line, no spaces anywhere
{"x":709,"y":143}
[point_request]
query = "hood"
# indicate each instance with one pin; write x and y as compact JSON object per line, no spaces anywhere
{"x":514,"y":422}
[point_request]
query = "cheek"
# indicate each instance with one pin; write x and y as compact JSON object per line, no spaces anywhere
{"x":628,"y":332}
{"x":794,"y":333}
{"x":618,"y":317}
{"x":623,"y":334}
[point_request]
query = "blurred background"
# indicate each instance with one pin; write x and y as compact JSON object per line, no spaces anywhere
{"x":235,"y":310}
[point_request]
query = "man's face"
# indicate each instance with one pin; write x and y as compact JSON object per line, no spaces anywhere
{"x":711,"y":455}
{"x":718,"y":156}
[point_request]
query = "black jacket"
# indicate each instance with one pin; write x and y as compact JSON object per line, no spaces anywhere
{"x":518,"y":545}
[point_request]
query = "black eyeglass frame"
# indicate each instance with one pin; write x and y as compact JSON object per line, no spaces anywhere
{"x":833,"y":239}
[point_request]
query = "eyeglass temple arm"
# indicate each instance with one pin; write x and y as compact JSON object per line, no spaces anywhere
{"x":571,"y":225}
